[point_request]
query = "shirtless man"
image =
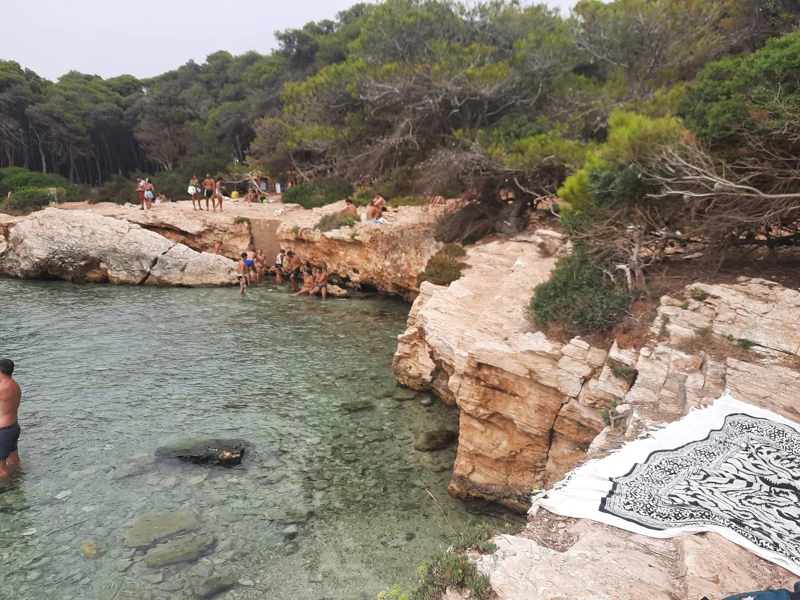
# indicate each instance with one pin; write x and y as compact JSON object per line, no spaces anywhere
{"x":218,"y":194}
{"x":320,"y":283}
{"x":250,"y":261}
{"x":261,"y":265}
{"x":350,"y":208}
{"x":373,"y":213}
{"x":208,"y":189}
{"x":294,"y":269}
{"x":10,"y":396}
{"x":380,"y":202}
{"x":242,"y":272}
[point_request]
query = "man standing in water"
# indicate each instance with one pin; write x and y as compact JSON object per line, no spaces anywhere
{"x":10,"y":396}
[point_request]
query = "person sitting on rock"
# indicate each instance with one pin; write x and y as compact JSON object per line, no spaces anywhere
{"x":380,"y":202}
{"x":350,"y":208}
{"x":308,"y":283}
{"x":373,"y":214}
{"x":320,"y":283}
{"x":242,"y":272}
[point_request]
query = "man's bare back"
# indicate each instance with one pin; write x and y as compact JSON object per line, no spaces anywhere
{"x":10,"y":398}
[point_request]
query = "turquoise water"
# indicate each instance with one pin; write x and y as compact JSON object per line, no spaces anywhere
{"x":111,"y":373}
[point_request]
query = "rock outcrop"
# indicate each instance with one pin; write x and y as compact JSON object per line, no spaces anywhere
{"x":82,"y":246}
{"x":199,"y":230}
{"x":743,"y":337}
{"x":471,"y":343}
{"x":387,"y":257}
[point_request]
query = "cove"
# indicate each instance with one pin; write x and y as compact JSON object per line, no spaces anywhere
{"x":328,"y":503}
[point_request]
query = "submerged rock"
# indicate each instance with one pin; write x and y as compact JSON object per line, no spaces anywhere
{"x":206,"y":451}
{"x":150,"y":529}
{"x":430,"y":441}
{"x":357,"y":406}
{"x":91,"y":550}
{"x":183,"y":549}
{"x":208,"y":587}
{"x":402,"y":394}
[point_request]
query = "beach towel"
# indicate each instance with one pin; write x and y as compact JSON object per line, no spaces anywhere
{"x":733,"y":469}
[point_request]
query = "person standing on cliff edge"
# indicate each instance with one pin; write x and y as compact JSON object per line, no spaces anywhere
{"x":10,"y":397}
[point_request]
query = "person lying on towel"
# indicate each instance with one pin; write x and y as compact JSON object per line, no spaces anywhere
{"x":768,"y":595}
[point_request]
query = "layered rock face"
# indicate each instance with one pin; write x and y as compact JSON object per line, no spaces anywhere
{"x":384,"y":256}
{"x":522,"y":424}
{"x":86,"y":247}
{"x":744,"y":337}
{"x":199,"y":230}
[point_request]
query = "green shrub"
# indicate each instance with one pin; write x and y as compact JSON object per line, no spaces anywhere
{"x":698,"y":294}
{"x":623,"y":371}
{"x":28,"y":200}
{"x":449,"y":569}
{"x":363,"y":196}
{"x":119,"y":189}
{"x":578,"y":297}
{"x":443,"y":268}
{"x":746,"y":344}
{"x":18,"y":179}
{"x":240,"y":220}
{"x":319,"y":192}
{"x":336,"y":221}
{"x":476,"y":538}
{"x":172,"y":184}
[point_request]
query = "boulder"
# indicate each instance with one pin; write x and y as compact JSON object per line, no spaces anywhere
{"x":208,"y":587}
{"x":336,"y":292}
{"x":431,"y":441}
{"x":149,"y":529}
{"x":357,"y":406}
{"x":82,"y":246}
{"x":206,"y":451}
{"x":184,"y":549}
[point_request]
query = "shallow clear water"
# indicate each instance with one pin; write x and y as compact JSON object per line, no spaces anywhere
{"x":111,"y":373}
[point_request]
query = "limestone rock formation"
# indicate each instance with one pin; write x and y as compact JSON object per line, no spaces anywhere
{"x":694,"y":353}
{"x":85,"y":247}
{"x":199,"y":230}
{"x":384,"y":256}
{"x":472,"y":345}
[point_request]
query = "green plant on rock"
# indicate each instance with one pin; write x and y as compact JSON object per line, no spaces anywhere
{"x":443,"y":268}
{"x":578,"y":298}
{"x":448,"y":569}
{"x":240,"y":220}
{"x":746,"y":344}
{"x":622,"y":371}
{"x":337,"y":221}
{"x":295,"y":229}
{"x":477,"y":538}
{"x":396,"y":593}
{"x":698,"y":294}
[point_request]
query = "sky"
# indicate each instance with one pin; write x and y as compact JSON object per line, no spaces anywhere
{"x":148,"y":37}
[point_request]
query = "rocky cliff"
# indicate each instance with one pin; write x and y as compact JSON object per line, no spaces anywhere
{"x":387,"y":256}
{"x":744,"y":337}
{"x":522,"y":423}
{"x":86,"y":247}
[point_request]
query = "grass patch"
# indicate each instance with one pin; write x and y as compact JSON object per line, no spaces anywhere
{"x":337,"y":221}
{"x":719,"y":347}
{"x":295,"y":229}
{"x":622,"y":371}
{"x":578,"y":298}
{"x":240,"y":220}
{"x":443,"y":268}
{"x":448,"y":569}
{"x":698,"y":294}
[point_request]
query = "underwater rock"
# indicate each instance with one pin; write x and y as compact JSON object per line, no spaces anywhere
{"x":213,"y":452}
{"x":431,"y":441}
{"x":154,"y":528}
{"x":91,"y":550}
{"x":403,"y":394}
{"x":185,"y":549}
{"x":209,"y":587}
{"x":357,"y":406}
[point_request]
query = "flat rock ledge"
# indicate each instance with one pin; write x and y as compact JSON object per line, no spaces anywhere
{"x":82,"y":246}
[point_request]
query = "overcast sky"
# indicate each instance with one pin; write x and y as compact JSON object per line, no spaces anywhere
{"x":148,"y":37}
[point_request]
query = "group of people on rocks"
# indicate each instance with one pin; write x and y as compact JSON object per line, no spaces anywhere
{"x":210,"y":189}
{"x":252,"y":268}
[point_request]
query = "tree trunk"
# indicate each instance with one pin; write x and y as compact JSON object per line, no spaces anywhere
{"x":44,"y":159}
